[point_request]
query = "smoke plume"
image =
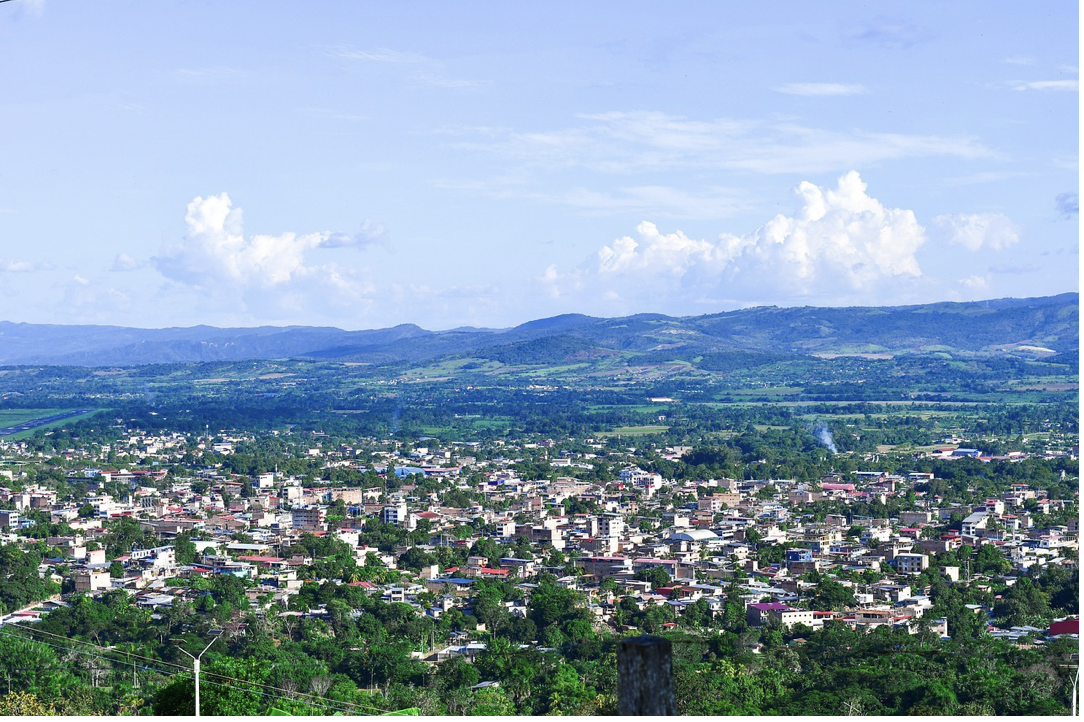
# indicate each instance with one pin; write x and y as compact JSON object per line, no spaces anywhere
{"x":393,"y":423}
{"x":824,"y":436}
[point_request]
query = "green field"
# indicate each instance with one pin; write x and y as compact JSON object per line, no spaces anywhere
{"x":11,"y":417}
{"x":635,"y":431}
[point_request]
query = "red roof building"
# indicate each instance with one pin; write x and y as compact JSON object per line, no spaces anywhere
{"x":1065,"y":626}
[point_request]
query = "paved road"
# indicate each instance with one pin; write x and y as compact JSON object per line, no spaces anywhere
{"x":35,"y":423}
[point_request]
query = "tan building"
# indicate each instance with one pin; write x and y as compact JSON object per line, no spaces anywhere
{"x":91,"y":580}
{"x":718,"y":502}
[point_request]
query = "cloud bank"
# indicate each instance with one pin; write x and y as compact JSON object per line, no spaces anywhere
{"x":976,"y":231}
{"x":838,"y":241}
{"x":215,"y":251}
{"x":270,"y":275}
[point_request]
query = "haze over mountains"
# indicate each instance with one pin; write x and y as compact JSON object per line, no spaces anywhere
{"x":1031,"y":327}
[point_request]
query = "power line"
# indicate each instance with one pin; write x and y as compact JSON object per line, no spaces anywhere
{"x":179,"y":667}
{"x":180,"y":672}
{"x":288,"y":692}
{"x":288,"y":699}
{"x":89,"y":654}
{"x":106,"y":649}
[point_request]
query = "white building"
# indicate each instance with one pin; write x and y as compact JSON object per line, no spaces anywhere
{"x":394,"y":513}
{"x":911,"y":563}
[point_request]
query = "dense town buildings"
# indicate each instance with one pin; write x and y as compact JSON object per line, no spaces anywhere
{"x":660,"y":541}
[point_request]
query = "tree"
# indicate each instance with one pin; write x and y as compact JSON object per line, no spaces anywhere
{"x":183,"y":548}
{"x":226,"y":588}
{"x":657,"y":575}
{"x":24,"y":704}
{"x":490,"y":703}
{"x":829,"y":594}
{"x":1024,"y":603}
{"x":568,"y":694}
{"x":990,"y":560}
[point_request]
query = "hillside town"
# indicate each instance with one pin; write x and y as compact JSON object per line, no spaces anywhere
{"x":426,"y":523}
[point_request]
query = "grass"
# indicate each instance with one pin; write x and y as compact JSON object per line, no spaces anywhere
{"x":11,"y":417}
{"x":52,"y":425}
{"x":462,"y":423}
{"x":766,"y":391}
{"x":635,"y":430}
{"x":550,"y":370}
{"x":452,"y":366}
{"x":639,"y":408}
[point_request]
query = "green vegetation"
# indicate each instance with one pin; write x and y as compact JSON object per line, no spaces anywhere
{"x":357,"y":657}
{"x":743,"y":399}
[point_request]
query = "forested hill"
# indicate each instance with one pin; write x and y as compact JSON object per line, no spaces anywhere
{"x":1041,"y":328}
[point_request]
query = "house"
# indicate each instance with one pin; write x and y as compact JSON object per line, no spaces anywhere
{"x":9,"y":519}
{"x":973,"y":523}
{"x":91,"y":580}
{"x":757,"y":614}
{"x":871,"y":618}
{"x":911,"y":563}
{"x":1070,"y":625}
{"x":915,"y":518}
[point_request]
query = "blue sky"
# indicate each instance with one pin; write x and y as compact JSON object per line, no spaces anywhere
{"x":361,"y":165}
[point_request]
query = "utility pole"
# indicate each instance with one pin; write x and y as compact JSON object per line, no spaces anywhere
{"x":1074,"y":679}
{"x":195,"y":665}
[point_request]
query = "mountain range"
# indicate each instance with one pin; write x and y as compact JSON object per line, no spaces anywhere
{"x":1042,"y":327}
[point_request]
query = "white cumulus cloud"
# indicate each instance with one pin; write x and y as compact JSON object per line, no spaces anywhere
{"x":262,"y":276}
{"x":124,"y":262}
{"x":975,"y":231}
{"x":215,"y":250}
{"x":975,"y":282}
{"x":839,"y":242}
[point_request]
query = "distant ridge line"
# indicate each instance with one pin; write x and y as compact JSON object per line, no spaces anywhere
{"x":967,"y":327}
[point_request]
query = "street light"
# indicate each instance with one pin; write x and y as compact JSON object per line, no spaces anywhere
{"x":195,"y":661}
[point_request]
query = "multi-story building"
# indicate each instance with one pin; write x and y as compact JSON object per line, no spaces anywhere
{"x":9,"y":519}
{"x":718,"y":502}
{"x":91,"y":580}
{"x":394,"y":513}
{"x":611,"y":525}
{"x":915,"y":518}
{"x":911,"y":563}
{"x":757,"y":614}
{"x":312,"y":516}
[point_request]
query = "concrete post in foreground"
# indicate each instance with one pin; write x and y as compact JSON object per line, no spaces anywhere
{"x":195,"y":668}
{"x":645,"y":677}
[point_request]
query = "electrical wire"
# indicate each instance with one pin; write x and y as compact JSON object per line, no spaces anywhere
{"x":98,"y":646}
{"x":238,"y":683}
{"x":287,"y":692}
{"x":288,"y":699}
{"x":180,"y":668}
{"x":181,"y":672}
{"x":89,"y":654}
